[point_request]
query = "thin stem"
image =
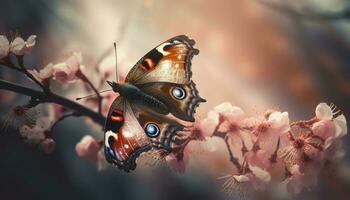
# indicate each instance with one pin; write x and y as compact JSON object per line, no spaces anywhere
{"x":52,"y":98}
{"x":232,"y":158}
{"x":82,"y":76}
{"x":63,"y":117}
{"x":29,"y":75}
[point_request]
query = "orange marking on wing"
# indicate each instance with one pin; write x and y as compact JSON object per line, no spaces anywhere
{"x":117,"y":118}
{"x":150,"y":63}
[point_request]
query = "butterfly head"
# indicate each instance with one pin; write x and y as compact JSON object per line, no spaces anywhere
{"x":126,"y":90}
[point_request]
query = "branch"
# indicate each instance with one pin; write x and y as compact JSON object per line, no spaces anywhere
{"x":30,"y":76}
{"x":63,"y":117}
{"x":232,"y":158}
{"x":53,"y":98}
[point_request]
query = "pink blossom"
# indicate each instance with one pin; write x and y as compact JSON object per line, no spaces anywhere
{"x":324,"y":112}
{"x":200,"y":129}
{"x":34,"y":135}
{"x":341,"y":128}
{"x":231,"y":116}
{"x":301,"y":177}
{"x":258,"y":177}
{"x":258,"y":158}
{"x":44,"y":73}
{"x":4,"y":46}
{"x":324,"y":129}
{"x":20,"y":47}
{"x":328,"y":127}
{"x":48,"y":145}
{"x":66,"y":72}
{"x":208,"y":125}
{"x":300,"y":145}
{"x":88,"y":148}
{"x":268,"y":132}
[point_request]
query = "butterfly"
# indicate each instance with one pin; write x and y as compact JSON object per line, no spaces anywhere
{"x":159,"y":84}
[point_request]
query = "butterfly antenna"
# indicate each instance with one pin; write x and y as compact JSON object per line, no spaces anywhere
{"x":91,"y":95}
{"x":116,"y":62}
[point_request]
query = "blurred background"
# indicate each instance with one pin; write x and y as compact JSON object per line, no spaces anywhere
{"x":286,"y":55}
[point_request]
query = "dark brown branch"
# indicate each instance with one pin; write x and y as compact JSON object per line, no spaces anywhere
{"x":53,"y":98}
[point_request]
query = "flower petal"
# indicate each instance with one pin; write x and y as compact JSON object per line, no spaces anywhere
{"x":4,"y":46}
{"x":340,"y":126}
{"x":324,"y":112}
{"x":18,"y":46}
{"x":260,"y":174}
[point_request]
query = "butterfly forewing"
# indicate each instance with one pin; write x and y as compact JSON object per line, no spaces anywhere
{"x":181,"y":99}
{"x":168,"y":62}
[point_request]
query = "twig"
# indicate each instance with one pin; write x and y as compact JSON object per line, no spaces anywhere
{"x":73,"y":114}
{"x":232,"y":158}
{"x":30,"y":76}
{"x":82,"y":76}
{"x":52,"y":98}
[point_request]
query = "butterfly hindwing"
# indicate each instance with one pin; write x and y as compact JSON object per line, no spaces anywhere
{"x":160,"y":129}
{"x":181,"y":99}
{"x":131,"y":130}
{"x":168,"y":62}
{"x":125,"y":139}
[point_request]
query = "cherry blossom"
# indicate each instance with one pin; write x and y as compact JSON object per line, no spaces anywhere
{"x":20,"y":47}
{"x":301,"y":178}
{"x":258,"y":158}
{"x":300,"y":145}
{"x":35,"y":135}
{"x":258,"y":177}
{"x":18,"y":116}
{"x":88,"y":148}
{"x":232,"y":117}
{"x":66,"y":72}
{"x":4,"y":46}
{"x":329,"y":127}
{"x":269,"y":131}
{"x":44,"y":73}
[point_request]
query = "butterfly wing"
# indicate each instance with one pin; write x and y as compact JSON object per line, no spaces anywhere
{"x":124,"y":137}
{"x":168,"y":62}
{"x":165,"y":71}
{"x":160,"y":129}
{"x":131,"y":130}
{"x":181,"y":99}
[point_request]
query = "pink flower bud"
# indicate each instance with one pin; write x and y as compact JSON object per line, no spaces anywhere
{"x":48,"y":145}
{"x":88,"y":147}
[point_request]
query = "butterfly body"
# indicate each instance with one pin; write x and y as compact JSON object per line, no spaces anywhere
{"x":133,"y":94}
{"x":159,"y":84}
